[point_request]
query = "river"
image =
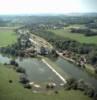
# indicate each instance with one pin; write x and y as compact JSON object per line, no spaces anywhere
{"x":76,"y":72}
{"x":36,"y":70}
{"x":42,"y":73}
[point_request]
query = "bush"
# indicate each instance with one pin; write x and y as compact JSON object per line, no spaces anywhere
{"x":13,"y":62}
{"x":95,"y":96}
{"x":70,"y":81}
{"x":56,"y":92}
{"x":47,"y":86}
{"x":24,"y":79}
{"x":50,"y":86}
{"x":81,"y":85}
{"x":71,"y":84}
{"x":96,"y":70}
{"x":74,"y":86}
{"x":20,"y":70}
{"x":10,"y":81}
{"x":28,"y":86}
{"x":90,"y":92}
{"x":67,"y":87}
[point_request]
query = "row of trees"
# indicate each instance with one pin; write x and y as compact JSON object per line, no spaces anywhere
{"x":17,"y":49}
{"x":61,"y":44}
{"x":85,"y":31}
{"x":23,"y":77}
{"x":82,"y":86}
{"x":92,"y":25}
{"x":13,"y":50}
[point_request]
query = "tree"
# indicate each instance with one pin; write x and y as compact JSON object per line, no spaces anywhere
{"x":95,"y":96}
{"x":24,"y":79}
{"x":43,"y":50}
{"x":20,"y":70}
{"x":53,"y":53}
{"x":93,"y":57}
{"x":96,"y":70}
{"x":81,"y":85}
{"x":13,"y":62}
{"x":28,"y":86}
{"x":89,"y":91}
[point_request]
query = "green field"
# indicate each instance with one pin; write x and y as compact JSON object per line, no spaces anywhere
{"x":15,"y":91}
{"x":78,"y":37}
{"x":7,"y":36}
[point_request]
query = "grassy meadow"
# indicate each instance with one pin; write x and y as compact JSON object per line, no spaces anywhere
{"x":7,"y":36}
{"x":15,"y":91}
{"x":75,"y":36}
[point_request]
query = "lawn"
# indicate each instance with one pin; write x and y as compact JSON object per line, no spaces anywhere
{"x":7,"y":36}
{"x":78,"y":37}
{"x":15,"y":91}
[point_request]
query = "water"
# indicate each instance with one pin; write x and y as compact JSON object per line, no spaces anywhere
{"x":39,"y":72}
{"x":76,"y":72}
{"x":36,"y":70}
{"x":4,"y":59}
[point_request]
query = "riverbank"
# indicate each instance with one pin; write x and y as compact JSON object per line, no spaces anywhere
{"x":89,"y":68}
{"x":15,"y":90}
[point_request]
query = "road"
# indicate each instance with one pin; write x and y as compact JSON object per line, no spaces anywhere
{"x":53,"y":70}
{"x":45,"y":62}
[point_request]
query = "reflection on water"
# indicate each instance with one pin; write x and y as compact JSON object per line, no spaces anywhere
{"x":75,"y":71}
{"x":36,"y":70}
{"x":39,"y":72}
{"x":4,"y":59}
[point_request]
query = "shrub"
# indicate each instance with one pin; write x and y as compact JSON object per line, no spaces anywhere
{"x":90,"y":92}
{"x":56,"y":92}
{"x":10,"y":81}
{"x":24,"y":79}
{"x":13,"y":62}
{"x":20,"y":70}
{"x":70,"y":81}
{"x":67,"y":87}
{"x":95,"y":96}
{"x":28,"y":86}
{"x":81,"y":85}
{"x":47,"y":86}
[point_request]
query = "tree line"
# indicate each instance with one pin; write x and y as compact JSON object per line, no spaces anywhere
{"x":61,"y":44}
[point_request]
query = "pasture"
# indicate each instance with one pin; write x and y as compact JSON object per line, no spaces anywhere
{"x":75,"y":36}
{"x":15,"y":90}
{"x":7,"y":36}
